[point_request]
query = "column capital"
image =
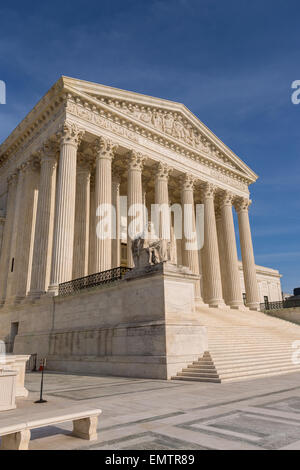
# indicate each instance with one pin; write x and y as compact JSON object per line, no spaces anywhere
{"x":162,"y":170}
{"x":187,"y":181}
{"x":31,"y":164}
{"x":136,"y":160}
{"x":84,"y":162}
{"x":242,"y":204}
{"x":12,"y":178}
{"x":226,"y":198}
{"x":70,"y":133}
{"x":49,"y":151}
{"x":104,"y":148}
{"x":117,"y":175}
{"x":208,"y":190}
{"x":218,"y":212}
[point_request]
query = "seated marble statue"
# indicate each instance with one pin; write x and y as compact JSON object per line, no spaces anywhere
{"x":147,"y":251}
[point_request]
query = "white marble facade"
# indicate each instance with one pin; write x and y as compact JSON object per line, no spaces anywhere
{"x":86,"y":144}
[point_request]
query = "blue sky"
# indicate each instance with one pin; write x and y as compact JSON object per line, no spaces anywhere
{"x":231,"y":63}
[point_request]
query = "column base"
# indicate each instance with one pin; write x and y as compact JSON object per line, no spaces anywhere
{"x":199,"y":302}
{"x":53,"y":290}
{"x":241,"y":308}
{"x":218,"y":304}
{"x":35,"y":295}
{"x":253,"y":306}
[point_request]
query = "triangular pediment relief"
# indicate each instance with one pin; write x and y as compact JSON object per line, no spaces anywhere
{"x":169,"y":119}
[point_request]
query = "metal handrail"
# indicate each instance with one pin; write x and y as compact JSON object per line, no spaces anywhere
{"x":288,"y":303}
{"x":105,"y":277}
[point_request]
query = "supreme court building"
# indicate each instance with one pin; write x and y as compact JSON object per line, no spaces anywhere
{"x":85,"y":145}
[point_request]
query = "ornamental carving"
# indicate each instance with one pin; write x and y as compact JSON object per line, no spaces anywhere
{"x":70,"y":134}
{"x":162,"y":170}
{"x":242,"y":204}
{"x":171,"y":123}
{"x":136,"y":160}
{"x":188,"y":182}
{"x":208,"y":190}
{"x":104,"y":148}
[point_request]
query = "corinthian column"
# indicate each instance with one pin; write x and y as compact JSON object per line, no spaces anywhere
{"x":5,"y":258}
{"x":26,"y":228}
{"x":104,"y":150}
{"x":233,"y":285}
{"x":92,"y":231}
{"x":190,"y":255}
{"x":82,"y":217}
{"x":162,"y":202}
{"x":135,"y":213}
{"x":62,"y":254}
{"x":116,"y":242}
{"x":41,"y":260}
{"x":251,"y":285}
{"x":211,"y":259}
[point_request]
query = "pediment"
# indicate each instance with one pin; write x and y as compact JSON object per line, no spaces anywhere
{"x":169,"y":119}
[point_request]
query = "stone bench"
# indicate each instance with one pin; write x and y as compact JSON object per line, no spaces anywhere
{"x":15,"y":432}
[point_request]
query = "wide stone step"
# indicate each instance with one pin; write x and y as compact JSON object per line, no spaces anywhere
{"x":244,"y":354}
{"x":240,"y":367}
{"x":196,"y":379}
{"x":205,"y":377}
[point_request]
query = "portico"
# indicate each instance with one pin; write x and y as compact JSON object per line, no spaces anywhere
{"x":83,"y":147}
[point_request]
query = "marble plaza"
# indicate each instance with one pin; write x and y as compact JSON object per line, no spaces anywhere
{"x":149,"y":414}
{"x":86,"y":146}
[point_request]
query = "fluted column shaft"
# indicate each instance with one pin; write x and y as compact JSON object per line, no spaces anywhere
{"x":116,"y":242}
{"x":82,"y":220}
{"x":189,"y":256}
{"x":249,"y":269}
{"x":211,"y":259}
{"x":92,"y":231}
{"x":5,"y":258}
{"x":134,"y":200}
{"x":24,"y":249}
{"x":162,"y":202}
{"x":233,"y":285}
{"x":2,"y":223}
{"x":219,"y":225}
{"x":62,"y":254}
{"x":104,"y":150}
{"x":41,"y":261}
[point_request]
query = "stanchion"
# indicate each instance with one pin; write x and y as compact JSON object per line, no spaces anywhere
{"x":42,"y":367}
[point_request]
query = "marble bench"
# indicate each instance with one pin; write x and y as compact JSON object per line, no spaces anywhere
{"x":15,"y":432}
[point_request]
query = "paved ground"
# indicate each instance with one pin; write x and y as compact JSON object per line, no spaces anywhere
{"x":156,"y":414}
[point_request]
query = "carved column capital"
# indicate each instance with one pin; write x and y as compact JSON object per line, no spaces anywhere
{"x":84,"y":162}
{"x":70,"y":133}
{"x":226,"y":198}
{"x":162,"y":170}
{"x":117,"y":175}
{"x":242,"y":204}
{"x":187,"y":182}
{"x":136,"y":160}
{"x":12,"y":178}
{"x":32,"y":164}
{"x":104,"y":148}
{"x":208,"y":190}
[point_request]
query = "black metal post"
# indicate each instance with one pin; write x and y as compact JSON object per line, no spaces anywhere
{"x":42,"y":385}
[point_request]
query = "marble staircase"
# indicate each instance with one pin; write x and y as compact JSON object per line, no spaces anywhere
{"x":243,"y":345}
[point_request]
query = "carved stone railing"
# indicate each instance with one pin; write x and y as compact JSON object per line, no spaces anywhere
{"x":93,"y":280}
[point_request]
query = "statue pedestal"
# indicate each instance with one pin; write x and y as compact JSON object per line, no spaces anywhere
{"x":166,"y":293}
